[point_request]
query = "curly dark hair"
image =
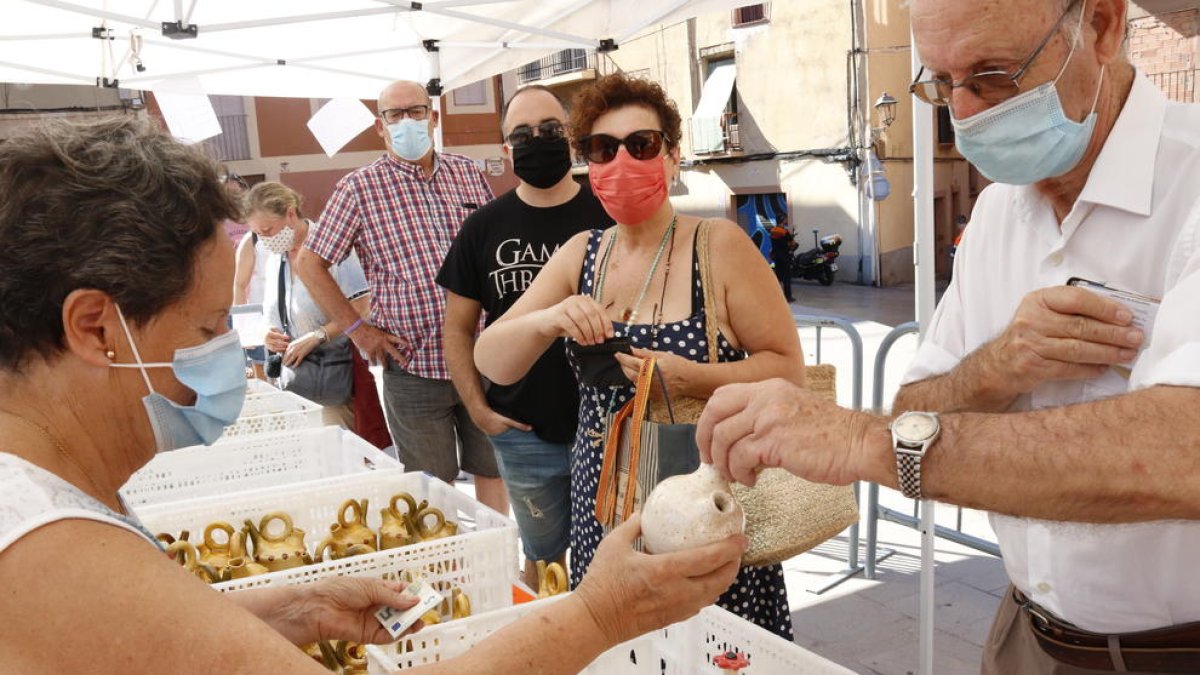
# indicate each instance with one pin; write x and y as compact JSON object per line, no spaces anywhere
{"x":115,"y":205}
{"x":618,"y":90}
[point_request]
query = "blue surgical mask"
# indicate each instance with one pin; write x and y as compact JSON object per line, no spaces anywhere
{"x":215,"y":370}
{"x":410,"y":138}
{"x":1029,"y":137}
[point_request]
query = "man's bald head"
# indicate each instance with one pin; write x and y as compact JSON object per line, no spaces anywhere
{"x":403,"y":94}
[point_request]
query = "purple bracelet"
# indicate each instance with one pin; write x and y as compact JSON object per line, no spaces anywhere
{"x":352,"y":327}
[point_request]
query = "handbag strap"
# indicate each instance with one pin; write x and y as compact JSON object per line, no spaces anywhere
{"x":282,"y":302}
{"x":635,"y":412}
{"x":706,"y":284}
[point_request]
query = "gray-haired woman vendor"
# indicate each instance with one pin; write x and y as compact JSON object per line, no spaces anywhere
{"x":114,"y":295}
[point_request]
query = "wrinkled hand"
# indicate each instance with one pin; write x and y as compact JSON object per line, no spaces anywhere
{"x":1060,"y":333}
{"x":672,"y":367}
{"x":578,"y":317}
{"x":493,"y":423}
{"x":276,"y":340}
{"x":379,"y":345}
{"x":299,"y":348}
{"x":343,"y":608}
{"x":746,"y":428}
{"x":629,"y":593}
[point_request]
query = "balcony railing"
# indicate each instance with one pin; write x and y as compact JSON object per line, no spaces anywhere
{"x":558,"y":63}
{"x":1179,"y":85}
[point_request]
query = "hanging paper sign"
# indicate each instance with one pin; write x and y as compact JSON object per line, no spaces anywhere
{"x":187,"y":111}
{"x":338,"y":122}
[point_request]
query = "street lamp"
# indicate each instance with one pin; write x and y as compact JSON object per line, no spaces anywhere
{"x":885,"y":106}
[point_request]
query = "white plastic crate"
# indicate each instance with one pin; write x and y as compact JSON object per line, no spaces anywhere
{"x":481,"y":559}
{"x":685,"y":648}
{"x":255,"y":387}
{"x":254,"y":462}
{"x":275,"y":411}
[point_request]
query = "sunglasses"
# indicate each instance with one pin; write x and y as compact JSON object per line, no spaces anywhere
{"x":551,"y":130}
{"x":641,"y":145}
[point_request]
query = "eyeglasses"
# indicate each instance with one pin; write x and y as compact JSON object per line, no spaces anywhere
{"x":416,"y":113}
{"x":550,"y":130}
{"x":992,"y":86}
{"x":602,"y":148}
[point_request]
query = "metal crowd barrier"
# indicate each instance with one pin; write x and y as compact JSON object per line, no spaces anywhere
{"x":874,"y":510}
{"x":853,"y":567}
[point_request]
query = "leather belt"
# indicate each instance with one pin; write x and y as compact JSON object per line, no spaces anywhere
{"x":1173,"y":649}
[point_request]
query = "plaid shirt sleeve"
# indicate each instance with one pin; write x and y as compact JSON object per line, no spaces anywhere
{"x":339,"y":225}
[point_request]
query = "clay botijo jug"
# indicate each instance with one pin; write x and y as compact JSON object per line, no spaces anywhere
{"x":218,"y":554}
{"x":440,"y":527}
{"x":278,"y":551}
{"x":691,"y":510}
{"x":397,"y":529}
{"x":242,"y":567}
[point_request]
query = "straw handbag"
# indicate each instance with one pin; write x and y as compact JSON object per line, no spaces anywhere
{"x":785,"y":515}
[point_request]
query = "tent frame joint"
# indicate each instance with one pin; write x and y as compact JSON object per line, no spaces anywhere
{"x":434,"y":87}
{"x":105,"y":83}
{"x":431,"y":46}
{"x":607,"y":45}
{"x":416,"y":6}
{"x":103,"y":33}
{"x":176,"y":30}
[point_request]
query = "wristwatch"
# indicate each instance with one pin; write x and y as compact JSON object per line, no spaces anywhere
{"x":912,"y":434}
{"x":322,"y":336}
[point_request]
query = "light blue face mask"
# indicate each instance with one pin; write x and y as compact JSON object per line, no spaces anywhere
{"x":410,"y":138}
{"x":1029,"y":137}
{"x":215,"y":370}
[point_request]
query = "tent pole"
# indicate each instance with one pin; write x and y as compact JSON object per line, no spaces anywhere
{"x":434,"y":89}
{"x":923,"y":244}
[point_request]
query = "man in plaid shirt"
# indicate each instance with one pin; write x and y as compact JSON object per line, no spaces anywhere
{"x":400,"y":214}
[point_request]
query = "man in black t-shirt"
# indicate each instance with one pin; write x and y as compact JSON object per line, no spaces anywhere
{"x":501,"y":248}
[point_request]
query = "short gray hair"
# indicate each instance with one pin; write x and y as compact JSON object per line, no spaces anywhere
{"x":115,"y":205}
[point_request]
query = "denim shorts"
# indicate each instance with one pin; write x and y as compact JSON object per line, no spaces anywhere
{"x":538,"y":477}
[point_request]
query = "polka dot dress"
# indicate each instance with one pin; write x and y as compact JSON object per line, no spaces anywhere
{"x":759,"y":594}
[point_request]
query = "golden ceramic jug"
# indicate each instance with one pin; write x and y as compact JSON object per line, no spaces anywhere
{"x":218,"y":554}
{"x":552,"y":579}
{"x":182,"y":552}
{"x":349,"y":532}
{"x":278,"y":551}
{"x":460,"y":604}
{"x":397,"y":529}
{"x":440,"y":529}
{"x":352,"y":657}
{"x":242,"y":567}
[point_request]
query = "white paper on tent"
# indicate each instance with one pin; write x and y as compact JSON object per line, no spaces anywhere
{"x":707,"y":134}
{"x":338,"y":122}
{"x":186,"y":108}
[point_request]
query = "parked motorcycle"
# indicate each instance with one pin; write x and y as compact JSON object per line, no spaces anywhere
{"x":818,"y":263}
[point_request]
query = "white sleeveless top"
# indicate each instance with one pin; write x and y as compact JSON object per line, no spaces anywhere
{"x":31,"y":497}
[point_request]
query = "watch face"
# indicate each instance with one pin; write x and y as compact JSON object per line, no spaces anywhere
{"x":915,"y":427}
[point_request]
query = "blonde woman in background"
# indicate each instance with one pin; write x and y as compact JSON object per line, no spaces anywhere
{"x":316,"y":359}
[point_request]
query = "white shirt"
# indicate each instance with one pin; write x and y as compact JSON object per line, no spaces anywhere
{"x":303,"y":313}
{"x":1135,"y":227}
{"x":31,"y":497}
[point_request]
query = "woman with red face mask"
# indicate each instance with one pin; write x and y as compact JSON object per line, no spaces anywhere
{"x":640,"y":281}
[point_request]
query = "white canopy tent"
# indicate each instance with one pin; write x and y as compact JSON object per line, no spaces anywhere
{"x":300,"y":48}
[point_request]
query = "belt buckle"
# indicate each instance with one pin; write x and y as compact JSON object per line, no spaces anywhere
{"x":1041,"y":621}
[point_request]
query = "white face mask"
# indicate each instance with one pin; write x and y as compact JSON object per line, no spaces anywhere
{"x":281,"y":242}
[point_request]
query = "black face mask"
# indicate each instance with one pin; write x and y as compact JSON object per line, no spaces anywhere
{"x":542,"y":162}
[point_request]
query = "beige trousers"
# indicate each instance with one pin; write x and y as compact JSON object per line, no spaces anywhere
{"x":1011,"y":648}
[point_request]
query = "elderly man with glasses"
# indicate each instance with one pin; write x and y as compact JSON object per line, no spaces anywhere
{"x":1058,"y":378}
{"x":400,"y":214}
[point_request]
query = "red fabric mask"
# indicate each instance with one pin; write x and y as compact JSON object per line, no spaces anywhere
{"x":630,"y":190}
